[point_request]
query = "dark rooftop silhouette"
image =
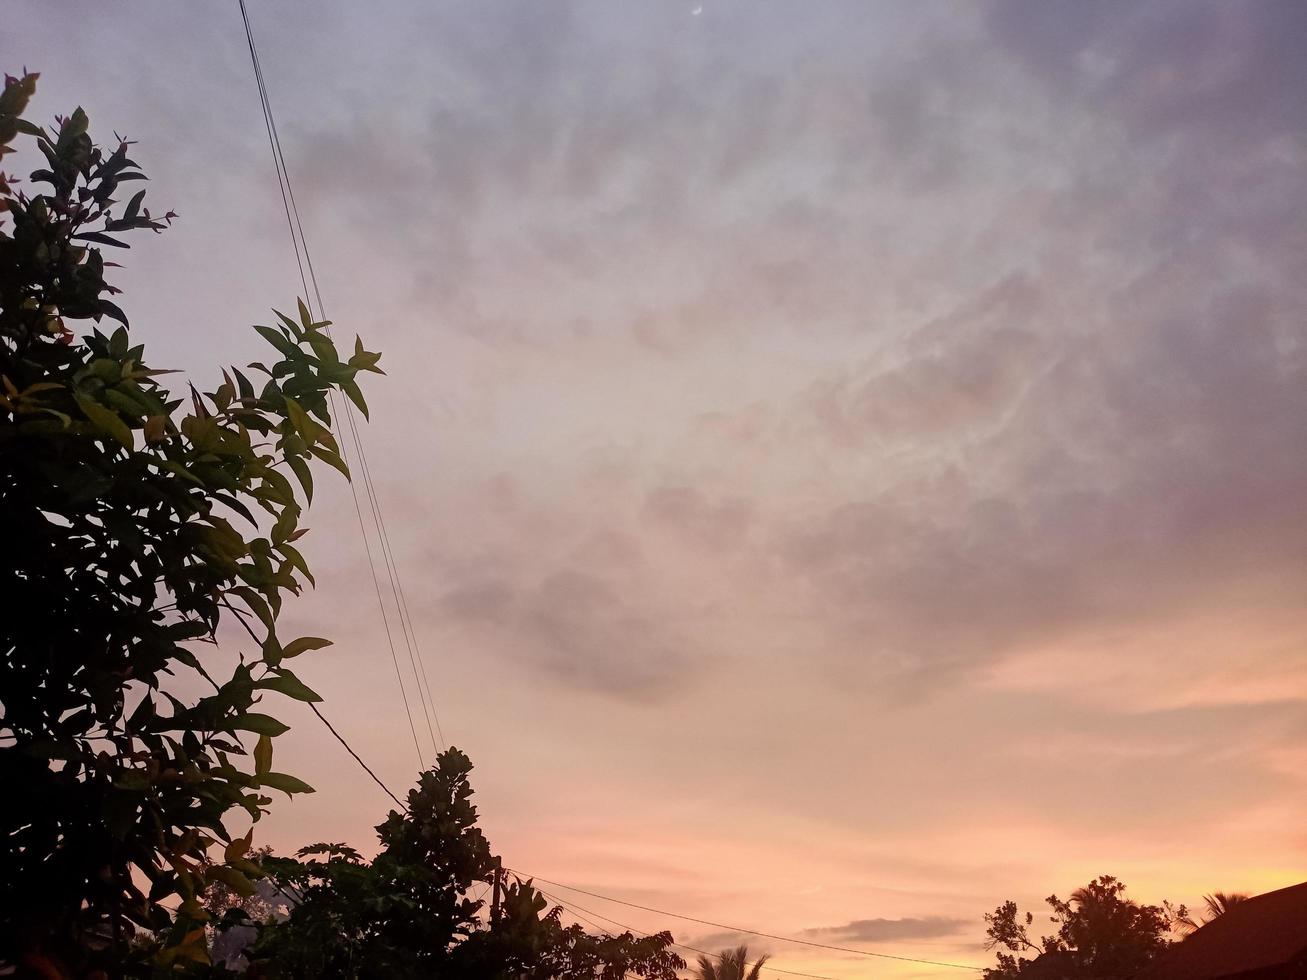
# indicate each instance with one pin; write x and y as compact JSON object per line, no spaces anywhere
{"x":1262,"y":938}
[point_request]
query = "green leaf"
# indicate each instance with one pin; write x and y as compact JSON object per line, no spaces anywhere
{"x":258,"y":605}
{"x":105,"y":420}
{"x":263,"y":755}
{"x":286,"y":783}
{"x":301,"y":470}
{"x":272,"y":652}
{"x":233,"y":879}
{"x":330,"y":458}
{"x":297,"y":560}
{"x":288,"y":684}
{"x":259,"y":724}
{"x":295,"y":647}
{"x":351,"y":389}
{"x":278,"y":340}
{"x":300,"y":419}
{"x":238,"y":848}
{"x":133,"y":206}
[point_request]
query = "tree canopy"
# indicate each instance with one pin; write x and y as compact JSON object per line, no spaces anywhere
{"x":127,"y":735}
{"x":1100,"y":935}
{"x":730,"y":965}
{"x":1216,"y":905}
{"x":408,"y":912}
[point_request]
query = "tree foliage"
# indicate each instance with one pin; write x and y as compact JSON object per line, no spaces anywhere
{"x":1216,"y":905}
{"x":408,"y":912}
{"x":1101,"y":935}
{"x":731,"y":965}
{"x":122,"y":726}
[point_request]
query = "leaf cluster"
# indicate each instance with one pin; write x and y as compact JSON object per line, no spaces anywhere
{"x":135,"y":522}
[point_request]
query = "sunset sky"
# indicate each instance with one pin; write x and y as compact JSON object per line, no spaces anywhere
{"x":847,"y":461}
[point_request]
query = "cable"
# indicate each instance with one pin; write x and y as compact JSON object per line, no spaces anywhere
{"x":297,"y":240}
{"x":401,"y":603}
{"x":751,"y":932}
{"x":645,"y":908}
{"x":577,"y":910}
{"x":357,"y":758}
{"x":392,"y":568}
{"x":396,"y":584}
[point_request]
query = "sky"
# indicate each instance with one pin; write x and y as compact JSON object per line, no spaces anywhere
{"x":846,"y":462}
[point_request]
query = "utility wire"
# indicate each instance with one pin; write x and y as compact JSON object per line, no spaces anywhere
{"x":366,"y":768}
{"x":751,"y":932}
{"x":396,"y":584}
{"x":645,"y":908}
{"x":299,"y":240}
{"x":577,"y":910}
{"x":419,"y":668}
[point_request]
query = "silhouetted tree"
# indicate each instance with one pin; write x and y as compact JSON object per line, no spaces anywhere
{"x":731,"y":965}
{"x":408,"y":912}
{"x":1217,"y":904}
{"x":121,"y":752}
{"x":1100,"y":936}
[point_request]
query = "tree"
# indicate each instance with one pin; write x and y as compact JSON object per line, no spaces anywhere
{"x":408,"y":912}
{"x":233,"y":915}
{"x":121,"y":561}
{"x":733,"y":965}
{"x":1217,"y":904}
{"x":1101,"y":935}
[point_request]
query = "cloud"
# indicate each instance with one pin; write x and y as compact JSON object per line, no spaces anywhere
{"x":1223,"y":69}
{"x":572,"y":626}
{"x":885,"y":930}
{"x":956,"y":372}
{"x":1123,"y":483}
{"x":971,"y":340}
{"x":686,"y":512}
{"x":719,"y":942}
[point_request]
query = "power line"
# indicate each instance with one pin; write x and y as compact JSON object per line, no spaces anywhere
{"x":419,"y":668}
{"x":396,"y":582}
{"x":675,"y":915}
{"x":330,"y":727}
{"x":751,"y":932}
{"x":357,"y":758}
{"x":299,"y":240}
{"x":578,"y":909}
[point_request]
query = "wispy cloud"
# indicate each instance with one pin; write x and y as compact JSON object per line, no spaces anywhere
{"x":883,"y":930}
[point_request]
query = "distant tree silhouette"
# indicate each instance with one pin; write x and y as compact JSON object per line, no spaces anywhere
{"x":1100,"y":936}
{"x":408,"y":913}
{"x":733,"y":965}
{"x":1217,"y":904}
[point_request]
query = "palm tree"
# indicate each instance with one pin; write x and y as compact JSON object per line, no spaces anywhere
{"x":732,"y":966}
{"x":1218,"y":903}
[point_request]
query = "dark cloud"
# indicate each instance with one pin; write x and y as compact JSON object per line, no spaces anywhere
{"x":1230,"y":70}
{"x":1128,"y":482}
{"x":884,"y":930}
{"x":573,"y":627}
{"x":719,"y":942}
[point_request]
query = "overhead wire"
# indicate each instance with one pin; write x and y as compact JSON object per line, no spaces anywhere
{"x":741,"y":929}
{"x":571,"y":904}
{"x":401,"y":603}
{"x":300,"y":242}
{"x":577,"y":911}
